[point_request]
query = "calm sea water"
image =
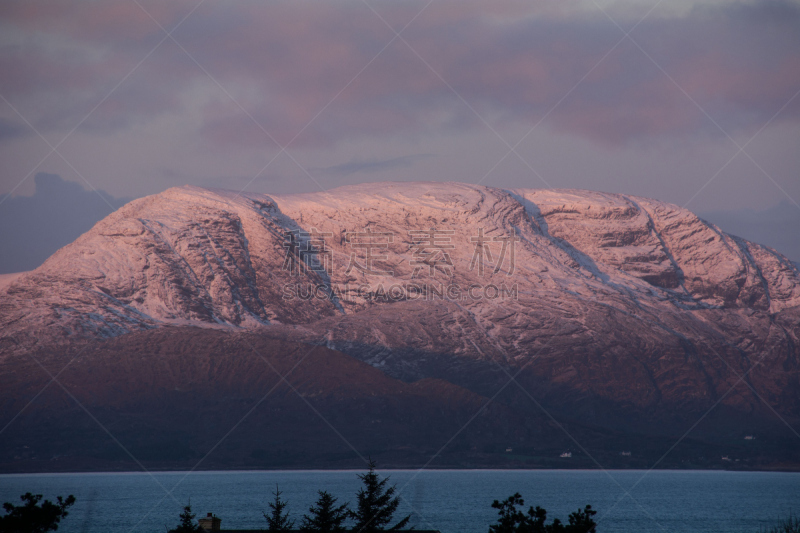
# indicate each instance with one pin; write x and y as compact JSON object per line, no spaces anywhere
{"x":451,"y":501}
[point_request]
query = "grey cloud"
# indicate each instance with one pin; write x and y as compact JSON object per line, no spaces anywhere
{"x":32,"y":228}
{"x":774,"y":227}
{"x":738,"y":61}
{"x":10,"y":129}
{"x":356,"y":165}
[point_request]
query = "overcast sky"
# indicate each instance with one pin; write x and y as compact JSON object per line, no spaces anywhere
{"x":694,"y":103}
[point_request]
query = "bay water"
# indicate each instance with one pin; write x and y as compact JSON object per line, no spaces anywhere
{"x":451,"y":501}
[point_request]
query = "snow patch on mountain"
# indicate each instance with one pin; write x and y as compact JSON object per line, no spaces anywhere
{"x":583,"y":263}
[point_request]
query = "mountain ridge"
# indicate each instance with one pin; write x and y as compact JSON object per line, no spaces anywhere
{"x":611,"y":310}
{"x":643,"y":257}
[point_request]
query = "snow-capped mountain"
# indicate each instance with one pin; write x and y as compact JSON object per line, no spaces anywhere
{"x":602,"y":299}
{"x":215,"y":258}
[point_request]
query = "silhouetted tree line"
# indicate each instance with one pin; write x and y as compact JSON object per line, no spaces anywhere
{"x":377,"y":504}
{"x":374,"y":511}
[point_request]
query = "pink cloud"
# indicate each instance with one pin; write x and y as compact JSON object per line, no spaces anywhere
{"x":285,"y":61}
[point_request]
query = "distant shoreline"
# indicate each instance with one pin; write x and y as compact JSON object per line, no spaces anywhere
{"x":389,"y":469}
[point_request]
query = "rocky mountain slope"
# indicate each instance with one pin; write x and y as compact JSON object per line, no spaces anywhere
{"x":614,"y":312}
{"x":201,"y":385}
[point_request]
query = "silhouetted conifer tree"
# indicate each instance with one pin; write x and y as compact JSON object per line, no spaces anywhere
{"x":277,"y":520}
{"x":187,"y":524}
{"x":326,"y":516}
{"x":376,"y":506}
{"x":32,"y":517}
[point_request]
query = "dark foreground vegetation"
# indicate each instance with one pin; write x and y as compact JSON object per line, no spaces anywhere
{"x":790,"y":525}
{"x":376,"y":504}
{"x":32,"y":516}
{"x":374,"y":511}
{"x":513,"y":520}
